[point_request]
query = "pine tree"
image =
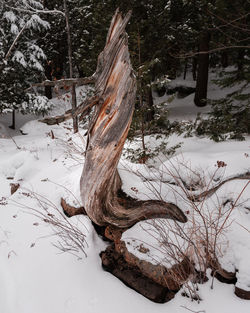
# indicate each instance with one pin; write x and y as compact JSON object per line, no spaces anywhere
{"x":20,"y":56}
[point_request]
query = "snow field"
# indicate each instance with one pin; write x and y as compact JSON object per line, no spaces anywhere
{"x":36,"y":277}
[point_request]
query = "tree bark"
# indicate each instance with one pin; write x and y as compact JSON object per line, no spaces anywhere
{"x":73,"y":88}
{"x":185,"y":69}
{"x":13,"y":125}
{"x":224,"y":59}
{"x":194,"y":68}
{"x":200,"y":98}
{"x":116,"y":89}
{"x":48,"y":74}
{"x":240,"y":62}
{"x":150,"y":106}
{"x":114,"y":98}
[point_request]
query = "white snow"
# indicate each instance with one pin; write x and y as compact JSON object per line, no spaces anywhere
{"x":19,"y":57}
{"x":35,"y":22}
{"x":35,"y":277}
{"x":10,"y":16}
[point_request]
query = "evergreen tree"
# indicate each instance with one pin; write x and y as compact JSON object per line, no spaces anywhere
{"x":20,"y":56}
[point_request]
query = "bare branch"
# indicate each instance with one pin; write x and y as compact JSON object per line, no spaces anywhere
{"x":82,"y":108}
{"x":184,"y":307}
{"x":189,"y":55}
{"x":231,"y":23}
{"x":65,"y":82}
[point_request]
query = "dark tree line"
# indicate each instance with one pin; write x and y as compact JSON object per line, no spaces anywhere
{"x":164,"y":37}
{"x":167,"y":37}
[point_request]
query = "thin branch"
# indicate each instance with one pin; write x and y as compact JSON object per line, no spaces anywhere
{"x":32,"y":11}
{"x":64,"y":82}
{"x":14,"y":42}
{"x":184,"y":307}
{"x":231,"y":22}
{"x":189,"y":55}
{"x":82,"y":108}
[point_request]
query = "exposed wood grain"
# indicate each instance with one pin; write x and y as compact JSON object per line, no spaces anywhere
{"x":116,"y":88}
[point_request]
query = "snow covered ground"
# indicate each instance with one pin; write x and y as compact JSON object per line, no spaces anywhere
{"x":36,"y":277}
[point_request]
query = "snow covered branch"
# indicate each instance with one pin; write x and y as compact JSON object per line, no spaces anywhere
{"x":14,"y":43}
{"x":31,"y":10}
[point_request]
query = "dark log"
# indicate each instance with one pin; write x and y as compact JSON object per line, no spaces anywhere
{"x":116,"y":88}
{"x":171,"y":278}
{"x":243,"y":294}
{"x":114,"y":262}
{"x":154,"y":281}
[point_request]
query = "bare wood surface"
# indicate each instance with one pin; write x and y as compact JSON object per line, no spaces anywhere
{"x":116,"y":88}
{"x":70,"y":210}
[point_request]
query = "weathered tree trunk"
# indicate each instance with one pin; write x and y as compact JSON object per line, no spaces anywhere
{"x":100,"y":181}
{"x":115,"y":91}
{"x":200,"y":98}
{"x":114,"y":98}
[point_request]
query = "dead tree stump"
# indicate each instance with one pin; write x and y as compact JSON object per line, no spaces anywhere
{"x":115,"y":85}
{"x":114,"y":98}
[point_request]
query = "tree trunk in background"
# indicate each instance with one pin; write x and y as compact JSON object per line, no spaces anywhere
{"x":224,"y":59}
{"x":150,"y":105}
{"x":13,"y":125}
{"x":185,"y":69}
{"x":200,"y":98}
{"x":100,"y":182}
{"x":240,"y":62}
{"x":73,"y":88}
{"x":194,"y":67}
{"x":48,"y":74}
